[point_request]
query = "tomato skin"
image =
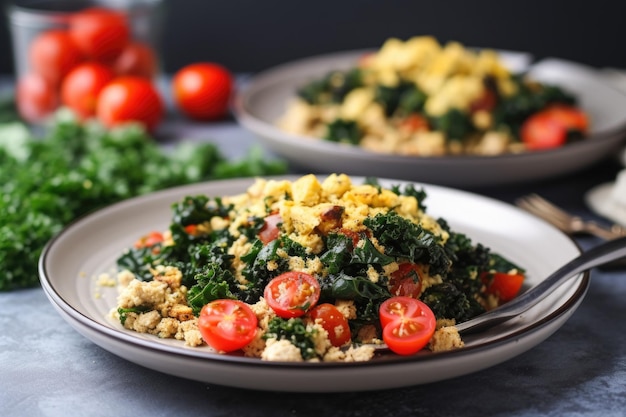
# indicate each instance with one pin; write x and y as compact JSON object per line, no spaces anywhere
{"x":149,"y":240}
{"x":137,"y":59}
{"x":548,"y":128}
{"x":36,"y":97}
{"x":292,"y":294}
{"x":414,"y":123}
{"x":53,"y":54}
{"x":130,"y":99}
{"x":406,"y":280}
{"x":408,"y":324}
{"x":81,"y":87}
{"x":335,"y":323}
{"x":270,"y":230}
{"x":227,"y":325}
{"x":101,"y":34}
{"x":505,"y":286}
{"x":202,"y":90}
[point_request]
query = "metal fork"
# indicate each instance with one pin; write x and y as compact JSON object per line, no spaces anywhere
{"x":567,"y":222}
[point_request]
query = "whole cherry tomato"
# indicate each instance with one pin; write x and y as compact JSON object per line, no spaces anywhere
{"x":53,"y":54}
{"x":202,"y":91}
{"x":292,"y":294}
{"x":100,"y":33}
{"x":130,"y":99}
{"x":335,"y":323}
{"x":408,"y":324}
{"x":81,"y":87}
{"x":505,"y":286}
{"x":227,"y":325}
{"x":36,"y":97}
{"x":137,"y":59}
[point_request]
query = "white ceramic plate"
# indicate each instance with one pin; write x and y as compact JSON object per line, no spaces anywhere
{"x":264,"y":99}
{"x":71,"y":262}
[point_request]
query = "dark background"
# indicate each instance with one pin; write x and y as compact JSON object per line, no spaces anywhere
{"x":251,"y":35}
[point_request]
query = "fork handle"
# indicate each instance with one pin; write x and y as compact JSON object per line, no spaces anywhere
{"x":600,"y":231}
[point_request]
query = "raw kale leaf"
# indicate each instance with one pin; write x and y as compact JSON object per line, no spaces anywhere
{"x":294,"y":330}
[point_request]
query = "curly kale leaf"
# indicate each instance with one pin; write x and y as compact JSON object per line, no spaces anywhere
{"x":214,"y":283}
{"x":331,"y":88}
{"x":404,"y":239}
{"x":455,"y":124}
{"x":123,"y":312}
{"x":447,"y":301}
{"x":294,"y":330}
{"x":343,"y":131}
{"x":405,"y":98}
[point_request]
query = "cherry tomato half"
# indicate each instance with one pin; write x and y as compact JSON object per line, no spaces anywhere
{"x":292,"y":294}
{"x":406,"y":280}
{"x":130,"y":99}
{"x":571,"y":117}
{"x":53,"y":54}
{"x":101,"y":34}
{"x":81,"y":87}
{"x":548,"y":128}
{"x":36,"y":97}
{"x":408,"y":324}
{"x":335,"y":323}
{"x":149,"y":240}
{"x":414,"y":123}
{"x":227,"y":325}
{"x":505,"y":286}
{"x":270,"y":230}
{"x":202,"y":90}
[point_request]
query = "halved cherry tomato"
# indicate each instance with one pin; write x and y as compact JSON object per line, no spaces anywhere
{"x":36,"y":97}
{"x":408,"y":324}
{"x":81,"y":87}
{"x":548,"y":128}
{"x":101,"y":34}
{"x":335,"y":323}
{"x":130,"y":99}
{"x":136,"y":59}
{"x":406,"y":280}
{"x":53,"y":54}
{"x":149,"y":240}
{"x":227,"y":325}
{"x":414,"y":123}
{"x":292,"y":294}
{"x":505,"y":286}
{"x":270,"y":230}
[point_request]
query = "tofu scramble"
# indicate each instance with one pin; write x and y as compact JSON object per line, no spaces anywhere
{"x":352,"y":239}
{"x":421,"y":98}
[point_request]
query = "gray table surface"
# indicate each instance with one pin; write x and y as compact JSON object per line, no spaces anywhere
{"x":48,"y":369}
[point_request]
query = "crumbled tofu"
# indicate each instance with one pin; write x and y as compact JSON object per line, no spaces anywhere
{"x":281,"y":351}
{"x":445,"y":338}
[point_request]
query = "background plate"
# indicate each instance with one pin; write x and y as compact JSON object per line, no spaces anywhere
{"x":264,"y":98}
{"x":71,"y":262}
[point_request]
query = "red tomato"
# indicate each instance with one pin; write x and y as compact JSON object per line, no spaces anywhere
{"x":541,"y":132}
{"x":202,"y":91}
{"x":414,"y":123}
{"x":505,"y":286}
{"x":335,"y":323}
{"x":406,"y":280}
{"x":270,"y":230}
{"x":137,"y":59}
{"x":548,"y":128}
{"x":227,"y":325}
{"x":130,"y":99}
{"x":292,"y":294}
{"x":80,"y":88}
{"x":101,"y":34}
{"x":487,"y":101}
{"x":408,"y":324}
{"x":36,"y":97}
{"x":53,"y":54}
{"x":149,"y":240}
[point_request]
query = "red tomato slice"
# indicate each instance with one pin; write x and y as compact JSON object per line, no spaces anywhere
{"x":292,"y":294}
{"x":408,"y":324}
{"x":505,"y":286}
{"x":541,"y":132}
{"x":406,"y":280}
{"x":270,"y":230}
{"x":335,"y":323}
{"x":80,"y":88}
{"x":227,"y":325}
{"x":148,"y":240}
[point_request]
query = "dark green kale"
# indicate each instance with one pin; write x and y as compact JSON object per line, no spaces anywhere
{"x":294,"y":330}
{"x":343,"y":131}
{"x":455,"y":124}
{"x":410,"y":191}
{"x":213,"y":283}
{"x":447,"y":301}
{"x":123,"y":312}
{"x":501,"y":264}
{"x":332,"y":88}
{"x":403,"y":99}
